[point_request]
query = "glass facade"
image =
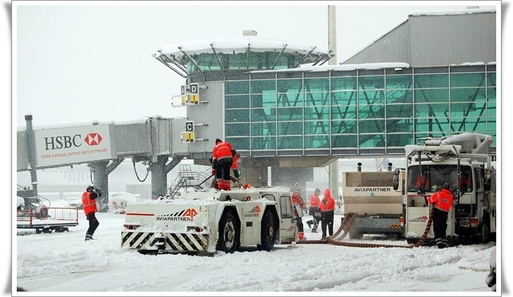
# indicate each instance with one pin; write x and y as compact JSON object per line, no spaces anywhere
{"x":311,"y":111}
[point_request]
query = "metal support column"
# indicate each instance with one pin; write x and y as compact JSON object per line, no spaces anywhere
{"x":159,"y":176}
{"x":29,"y":132}
{"x":101,"y":181}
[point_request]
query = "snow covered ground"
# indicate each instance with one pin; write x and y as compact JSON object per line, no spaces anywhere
{"x":64,"y":264}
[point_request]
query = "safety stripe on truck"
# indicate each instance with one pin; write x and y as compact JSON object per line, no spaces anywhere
{"x":164,"y":241}
{"x":394,"y":226}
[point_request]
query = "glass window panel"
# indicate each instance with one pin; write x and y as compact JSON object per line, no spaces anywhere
{"x":261,"y":86}
{"x":317,"y":141}
{"x":290,"y":99}
{"x":371,"y":140}
{"x":377,"y":126}
{"x":317,"y":98}
{"x":317,"y":84}
{"x":237,"y":129}
{"x":237,"y":87}
{"x":286,"y":85}
{"x":435,"y":125}
{"x":290,"y":128}
{"x":344,"y":141}
{"x":317,"y":113}
{"x":263,"y":129}
{"x":401,"y":82}
{"x":428,"y":110}
{"x":236,"y":115}
{"x":399,"y":139}
{"x":467,"y":79}
{"x":343,"y":83}
{"x":399,"y":96}
{"x":343,"y":98}
{"x":263,"y":143}
{"x":237,"y":101}
{"x":343,"y":112}
{"x":431,"y":80}
{"x":290,"y":113}
{"x":317,"y":127}
{"x":399,"y":110}
{"x":263,"y":114}
{"x":492,"y":79}
{"x":239,"y":143}
{"x":371,"y":97}
{"x":492,"y":93}
{"x":263,"y":100}
{"x":399,"y":125}
{"x":290,"y":142}
{"x":431,"y":95}
{"x":467,"y":94}
{"x":338,"y":127}
{"x":371,"y":111}
{"x":371,"y":82}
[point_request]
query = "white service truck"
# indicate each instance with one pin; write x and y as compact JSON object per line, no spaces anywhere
{"x":203,"y":222}
{"x":377,"y":205}
{"x":465,"y":163}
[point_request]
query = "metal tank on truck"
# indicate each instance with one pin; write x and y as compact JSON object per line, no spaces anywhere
{"x":464,"y":162}
{"x":376,"y":205}
{"x":203,"y":222}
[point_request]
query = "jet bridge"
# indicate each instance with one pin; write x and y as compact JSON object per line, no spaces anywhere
{"x":103,"y":146}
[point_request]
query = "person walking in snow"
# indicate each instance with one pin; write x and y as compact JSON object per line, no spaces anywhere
{"x":315,"y":211}
{"x":442,"y":202}
{"x":90,"y":208}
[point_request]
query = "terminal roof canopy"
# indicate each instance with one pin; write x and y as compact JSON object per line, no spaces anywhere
{"x":239,"y":53}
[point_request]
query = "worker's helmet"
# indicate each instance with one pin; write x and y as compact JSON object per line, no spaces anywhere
{"x":89,"y":188}
{"x":446,"y":186}
{"x":218,"y":140}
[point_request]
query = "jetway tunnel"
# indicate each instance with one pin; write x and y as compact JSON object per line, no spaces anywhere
{"x":103,"y":146}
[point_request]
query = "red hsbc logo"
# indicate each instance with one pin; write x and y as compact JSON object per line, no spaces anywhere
{"x":93,"y":139}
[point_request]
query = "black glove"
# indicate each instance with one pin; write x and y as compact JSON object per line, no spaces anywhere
{"x":236,"y":173}
{"x":98,"y":192}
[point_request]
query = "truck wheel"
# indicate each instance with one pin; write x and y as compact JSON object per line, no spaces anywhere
{"x":229,"y":232}
{"x":268,"y":232}
{"x":485,"y":231}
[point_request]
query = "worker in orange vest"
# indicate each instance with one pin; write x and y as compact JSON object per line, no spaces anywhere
{"x":327,"y":206}
{"x":222,"y":160}
{"x":442,"y":203}
{"x":314,"y":211}
{"x":90,"y":208}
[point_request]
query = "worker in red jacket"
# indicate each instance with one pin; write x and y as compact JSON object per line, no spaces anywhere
{"x":315,"y":211}
{"x":442,"y":203}
{"x":222,"y":160}
{"x":90,"y":208}
{"x":327,"y":206}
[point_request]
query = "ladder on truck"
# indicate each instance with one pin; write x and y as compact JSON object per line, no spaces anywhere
{"x":186,"y":178}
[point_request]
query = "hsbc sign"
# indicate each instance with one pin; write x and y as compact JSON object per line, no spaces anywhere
{"x":72,"y":145}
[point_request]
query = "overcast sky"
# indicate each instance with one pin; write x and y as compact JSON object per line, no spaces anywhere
{"x":82,"y":61}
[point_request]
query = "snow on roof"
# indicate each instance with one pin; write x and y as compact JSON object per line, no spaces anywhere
{"x":343,"y":67}
{"x":455,"y":12}
{"x":234,"y":45}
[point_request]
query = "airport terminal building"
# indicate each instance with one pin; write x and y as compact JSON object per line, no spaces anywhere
{"x":432,"y":76}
